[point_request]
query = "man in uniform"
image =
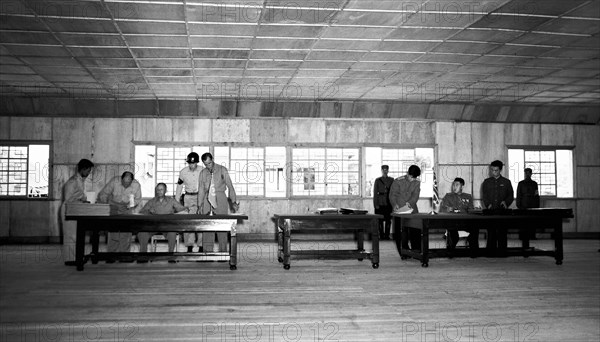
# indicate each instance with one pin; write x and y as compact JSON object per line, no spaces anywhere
{"x":160,"y":205}
{"x":73,"y":191}
{"x":118,"y":192}
{"x":527,"y":197}
{"x":497,"y":194}
{"x":211,"y":195}
{"x":404,"y":193}
{"x":459,"y":202}
{"x":381,"y":201}
{"x":188,"y":178}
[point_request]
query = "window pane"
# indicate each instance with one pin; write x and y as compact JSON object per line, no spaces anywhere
{"x":547,"y":156}
{"x":275,"y":160}
{"x":532,"y":156}
{"x":564,"y":173}
{"x":39,"y":156}
{"x":4,"y":151}
{"x":18,"y":152}
{"x":145,"y":173}
{"x":17,"y":189}
{"x":516,"y":165}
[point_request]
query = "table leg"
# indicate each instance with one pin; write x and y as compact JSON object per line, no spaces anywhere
{"x":425,"y":245}
{"x":79,"y":246}
{"x":360,"y":242}
{"x":558,"y":241}
{"x":95,"y":243}
{"x":287,"y":244}
{"x":375,"y":241}
{"x":233,"y":252}
{"x":279,"y":241}
{"x":400,"y":237}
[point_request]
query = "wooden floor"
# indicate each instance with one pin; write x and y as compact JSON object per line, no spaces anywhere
{"x":512,"y":299}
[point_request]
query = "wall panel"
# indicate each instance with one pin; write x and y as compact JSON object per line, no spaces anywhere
{"x":417,"y":132}
{"x":588,"y":182}
{"x":488,"y":143}
{"x":192,"y":130}
{"x":5,"y":127}
{"x":306,"y":131}
{"x":384,"y":132}
{"x":588,"y":216}
{"x":5,"y":214}
{"x":29,"y":218}
{"x":72,"y":139}
{"x":60,"y":174}
{"x":152,"y":130}
{"x":112,"y":140}
{"x":453,"y":142}
{"x":234,"y":130}
{"x":344,"y":131}
{"x":30,"y":128}
{"x":557,"y":135}
{"x":268,"y":131}
{"x":587,"y":142}
{"x":522,"y":134}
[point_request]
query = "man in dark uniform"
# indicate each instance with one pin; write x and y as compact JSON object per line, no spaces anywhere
{"x":527,"y":197}
{"x":381,"y":201}
{"x":497,"y":194}
{"x":404,"y":193}
{"x":459,"y":202}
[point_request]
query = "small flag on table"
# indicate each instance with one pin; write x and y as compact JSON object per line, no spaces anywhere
{"x":436,"y":195}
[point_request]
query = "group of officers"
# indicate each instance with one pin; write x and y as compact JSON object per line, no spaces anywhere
{"x":401,"y":195}
{"x":202,"y":191}
{"x":199,"y":191}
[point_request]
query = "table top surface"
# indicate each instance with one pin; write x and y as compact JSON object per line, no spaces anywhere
{"x":328,"y":216}
{"x":169,"y":217}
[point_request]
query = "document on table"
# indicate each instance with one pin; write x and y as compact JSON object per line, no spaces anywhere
{"x":404,"y":210}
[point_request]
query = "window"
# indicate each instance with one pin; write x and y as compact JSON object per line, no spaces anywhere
{"x":24,"y":170}
{"x":254,"y":171}
{"x":399,"y":160}
{"x":552,"y":169}
{"x":325,"y":171}
{"x":156,"y":164}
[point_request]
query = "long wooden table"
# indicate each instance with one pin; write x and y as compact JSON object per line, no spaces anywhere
{"x":530,"y":219}
{"x":157,"y":224}
{"x":332,"y":223}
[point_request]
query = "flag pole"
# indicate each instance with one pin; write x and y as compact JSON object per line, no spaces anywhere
{"x":435,"y":200}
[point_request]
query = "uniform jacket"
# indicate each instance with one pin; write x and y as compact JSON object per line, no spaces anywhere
{"x":403,"y":191}
{"x":381,"y":191}
{"x":494,"y":191}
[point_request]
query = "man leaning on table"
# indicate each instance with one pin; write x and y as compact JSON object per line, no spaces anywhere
{"x":73,"y":191}
{"x":458,"y":201}
{"x":160,"y":205}
{"x":214,"y":179}
{"x":404,"y":194}
{"x":125,"y":194}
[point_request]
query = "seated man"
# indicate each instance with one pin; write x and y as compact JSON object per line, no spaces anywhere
{"x":160,"y":205}
{"x":459,"y":202}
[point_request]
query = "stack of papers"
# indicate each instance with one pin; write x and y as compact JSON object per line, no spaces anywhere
{"x":404,"y":210}
{"x":327,"y":211}
{"x":88,"y":209}
{"x":353,"y":211}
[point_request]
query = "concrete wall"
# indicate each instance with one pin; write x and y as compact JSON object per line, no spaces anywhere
{"x":463,"y":149}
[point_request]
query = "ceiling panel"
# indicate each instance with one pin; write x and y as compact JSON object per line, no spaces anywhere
{"x":544,"y":51}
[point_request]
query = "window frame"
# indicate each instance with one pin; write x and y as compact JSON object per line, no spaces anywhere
{"x":290,"y":165}
{"x":50,"y":165}
{"x":553,"y":148}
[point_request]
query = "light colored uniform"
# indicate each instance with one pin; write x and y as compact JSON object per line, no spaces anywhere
{"x":189,"y":180}
{"x":155,"y":206}
{"x":222,"y":181}
{"x":73,"y":191}
{"x":117,"y":241}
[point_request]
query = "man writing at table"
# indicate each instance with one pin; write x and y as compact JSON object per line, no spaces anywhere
{"x":459,"y":202}
{"x":118,"y":192}
{"x":160,"y":205}
{"x":404,"y":193}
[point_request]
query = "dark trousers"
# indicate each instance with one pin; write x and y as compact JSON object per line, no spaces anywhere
{"x":385,"y":224}
{"x":497,"y":241}
{"x":413,"y":236}
{"x":473,"y":238}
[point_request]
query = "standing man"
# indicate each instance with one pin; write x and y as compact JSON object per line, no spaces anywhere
{"x":381,"y":201}
{"x":527,"y":197}
{"x":459,"y":202}
{"x":497,"y":194}
{"x":188,"y":178}
{"x":124,"y":193}
{"x":405,"y":192}
{"x":73,"y":191}
{"x":160,"y":205}
{"x":211,"y":195}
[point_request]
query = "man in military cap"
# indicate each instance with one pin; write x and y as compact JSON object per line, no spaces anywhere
{"x":381,"y":202}
{"x":188,"y":181}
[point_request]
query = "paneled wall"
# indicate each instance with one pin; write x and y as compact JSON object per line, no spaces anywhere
{"x":463,"y":149}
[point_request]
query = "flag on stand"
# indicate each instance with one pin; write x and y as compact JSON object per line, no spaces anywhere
{"x":212,"y":193}
{"x":436,"y":195}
